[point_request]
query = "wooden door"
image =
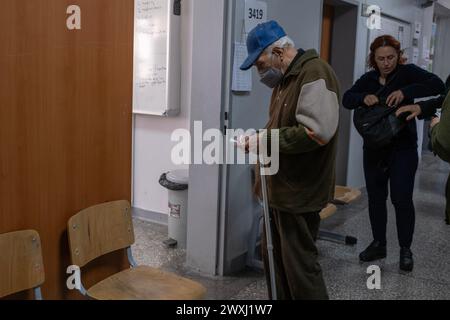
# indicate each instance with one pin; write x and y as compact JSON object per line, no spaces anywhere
{"x":65,"y":121}
{"x":327,"y":32}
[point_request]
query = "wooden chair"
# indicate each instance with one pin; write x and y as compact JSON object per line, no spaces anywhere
{"x":328,"y":211}
{"x":343,"y":196}
{"x":108,"y":227}
{"x":21,"y":265}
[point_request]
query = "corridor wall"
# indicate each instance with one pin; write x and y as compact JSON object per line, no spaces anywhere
{"x":65,"y":122}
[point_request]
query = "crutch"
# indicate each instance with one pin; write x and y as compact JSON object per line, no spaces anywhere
{"x":268,"y":231}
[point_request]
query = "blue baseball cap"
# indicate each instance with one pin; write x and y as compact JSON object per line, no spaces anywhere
{"x":261,"y":37}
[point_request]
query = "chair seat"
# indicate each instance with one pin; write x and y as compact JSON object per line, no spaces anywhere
{"x":328,"y":211}
{"x":146,"y":283}
{"x":346,"y":195}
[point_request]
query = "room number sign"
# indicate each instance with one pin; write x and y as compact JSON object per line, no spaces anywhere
{"x":255,"y":13}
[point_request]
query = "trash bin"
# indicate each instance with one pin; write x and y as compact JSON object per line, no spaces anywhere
{"x":177,"y":183}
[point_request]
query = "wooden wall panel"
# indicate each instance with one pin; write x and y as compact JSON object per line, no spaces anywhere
{"x":65,"y":120}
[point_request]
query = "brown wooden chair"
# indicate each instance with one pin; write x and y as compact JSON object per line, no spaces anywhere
{"x":343,"y":196}
{"x":328,"y":211}
{"x":21,"y":265}
{"x":108,"y":227}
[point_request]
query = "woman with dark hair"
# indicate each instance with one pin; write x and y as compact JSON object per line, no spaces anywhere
{"x":393,"y":83}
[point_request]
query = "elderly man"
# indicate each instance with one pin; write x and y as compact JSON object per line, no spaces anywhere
{"x":305,"y":109}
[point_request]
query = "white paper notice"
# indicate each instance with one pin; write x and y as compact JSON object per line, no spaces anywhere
{"x":426,"y":55}
{"x":417,"y":30}
{"x":425,"y":48}
{"x":242,"y":80}
{"x":416,"y":53}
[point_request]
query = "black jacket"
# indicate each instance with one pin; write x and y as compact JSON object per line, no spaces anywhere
{"x":431,"y":105}
{"x":413,"y":81}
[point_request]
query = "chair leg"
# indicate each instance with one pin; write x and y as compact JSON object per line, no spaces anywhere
{"x":334,"y":237}
{"x":37,"y":293}
{"x":131,"y":260}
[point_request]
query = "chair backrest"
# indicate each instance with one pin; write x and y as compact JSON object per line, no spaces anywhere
{"x":346,"y":195}
{"x":328,"y":211}
{"x":99,"y":230}
{"x":21,"y":264}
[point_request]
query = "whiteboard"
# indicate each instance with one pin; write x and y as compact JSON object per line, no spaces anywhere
{"x":156,"y":63}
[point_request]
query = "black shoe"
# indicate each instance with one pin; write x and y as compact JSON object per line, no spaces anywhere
{"x":375,"y":251}
{"x":406,"y":260}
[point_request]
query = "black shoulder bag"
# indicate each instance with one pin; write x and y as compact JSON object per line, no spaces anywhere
{"x":378,"y":125}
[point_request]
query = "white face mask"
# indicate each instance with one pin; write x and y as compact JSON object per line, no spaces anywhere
{"x":272,"y":77}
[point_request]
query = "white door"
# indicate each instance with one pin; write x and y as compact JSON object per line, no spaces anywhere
{"x":400,"y":30}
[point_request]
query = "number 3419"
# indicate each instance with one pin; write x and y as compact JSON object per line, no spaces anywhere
{"x":255,"y":13}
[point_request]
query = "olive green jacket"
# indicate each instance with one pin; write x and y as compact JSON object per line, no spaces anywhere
{"x":440,"y":141}
{"x":305,"y":110}
{"x":440,"y":134}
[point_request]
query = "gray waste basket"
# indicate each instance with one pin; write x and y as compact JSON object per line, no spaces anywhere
{"x":177,"y":183}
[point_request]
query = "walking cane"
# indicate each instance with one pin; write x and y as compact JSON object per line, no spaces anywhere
{"x":268,"y":231}
{"x":269,"y":242}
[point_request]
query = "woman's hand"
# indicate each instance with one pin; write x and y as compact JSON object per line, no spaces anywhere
{"x":395,"y":98}
{"x":414,"y":109}
{"x":371,"y":100}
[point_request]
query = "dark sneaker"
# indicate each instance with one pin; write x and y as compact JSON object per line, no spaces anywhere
{"x":406,"y":260}
{"x":375,"y":251}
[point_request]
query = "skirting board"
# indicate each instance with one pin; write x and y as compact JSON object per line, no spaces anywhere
{"x":150,"y":216}
{"x":237,"y":264}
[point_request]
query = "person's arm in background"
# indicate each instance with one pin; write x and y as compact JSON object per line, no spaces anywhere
{"x":440,"y":133}
{"x":354,"y":97}
{"x":424,"y":83}
{"x":429,"y":107}
{"x":425,"y":109}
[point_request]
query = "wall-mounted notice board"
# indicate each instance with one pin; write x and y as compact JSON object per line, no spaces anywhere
{"x":157,"y":65}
